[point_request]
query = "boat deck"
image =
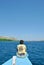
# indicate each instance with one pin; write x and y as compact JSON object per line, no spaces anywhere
{"x":19,"y":61}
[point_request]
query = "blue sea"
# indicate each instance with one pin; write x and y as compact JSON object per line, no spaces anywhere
{"x":35,"y":51}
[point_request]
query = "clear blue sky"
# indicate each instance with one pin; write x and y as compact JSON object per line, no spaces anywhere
{"x":22,"y":19}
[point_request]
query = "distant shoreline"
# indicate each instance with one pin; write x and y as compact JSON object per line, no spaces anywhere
{"x":6,"y":38}
{"x":2,"y":38}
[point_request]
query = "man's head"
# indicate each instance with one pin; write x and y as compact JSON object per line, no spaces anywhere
{"x":21,"y":42}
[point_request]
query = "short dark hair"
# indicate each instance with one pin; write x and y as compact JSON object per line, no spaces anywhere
{"x":21,"y":42}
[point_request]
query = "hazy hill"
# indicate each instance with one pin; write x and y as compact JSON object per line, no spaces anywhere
{"x":5,"y":38}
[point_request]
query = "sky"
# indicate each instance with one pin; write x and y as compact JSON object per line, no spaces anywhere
{"x":22,"y":19}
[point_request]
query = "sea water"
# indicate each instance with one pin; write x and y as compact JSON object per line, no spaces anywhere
{"x":35,"y":50}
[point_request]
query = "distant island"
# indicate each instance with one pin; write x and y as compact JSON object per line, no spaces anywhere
{"x":5,"y":38}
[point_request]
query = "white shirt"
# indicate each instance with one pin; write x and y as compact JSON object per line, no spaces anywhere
{"x":21,"y":48}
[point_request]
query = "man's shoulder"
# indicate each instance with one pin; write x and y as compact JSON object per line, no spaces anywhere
{"x":23,"y":45}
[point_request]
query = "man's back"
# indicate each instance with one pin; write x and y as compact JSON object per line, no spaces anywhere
{"x":21,"y":48}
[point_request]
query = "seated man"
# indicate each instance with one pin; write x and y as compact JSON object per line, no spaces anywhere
{"x":21,"y":49}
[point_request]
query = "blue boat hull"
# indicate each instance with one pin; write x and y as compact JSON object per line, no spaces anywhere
{"x":19,"y":61}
